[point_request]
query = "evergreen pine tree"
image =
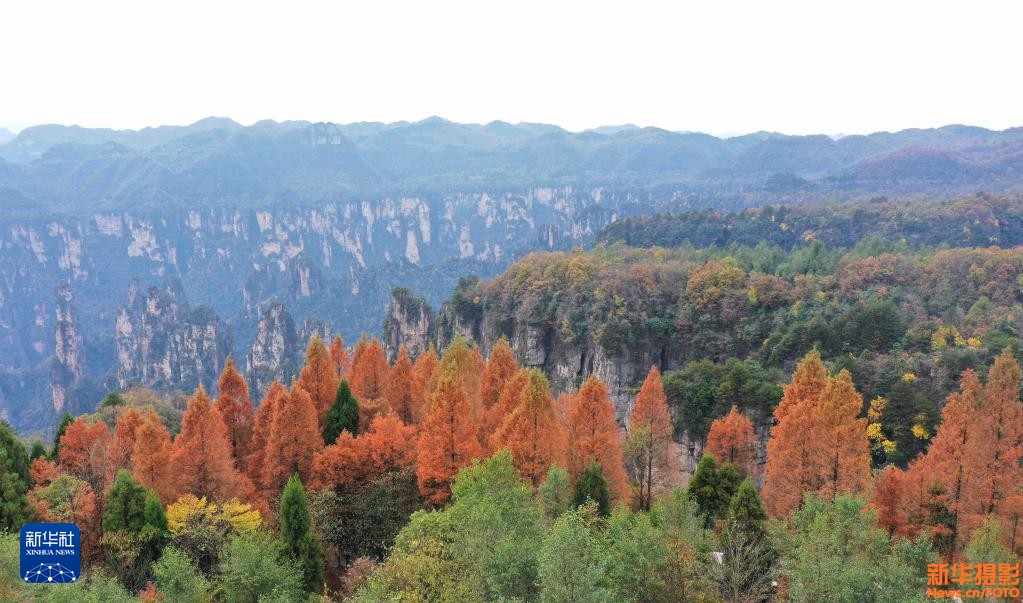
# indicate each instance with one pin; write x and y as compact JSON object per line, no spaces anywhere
{"x":154,"y":528}
{"x":592,"y":485}
{"x":112,"y":399}
{"x":299,"y":541}
{"x":555,"y":493}
{"x":134,"y":529}
{"x":126,"y":504}
{"x":155,"y":516}
{"x":342,"y":416}
{"x":746,"y":509}
{"x":38,"y":450}
{"x":14,"y":480}
{"x":905,"y":404}
{"x":711,"y":488}
{"x":65,"y":420}
{"x":745,"y":545}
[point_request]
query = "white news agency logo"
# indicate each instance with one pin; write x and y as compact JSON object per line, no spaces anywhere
{"x":35,"y":540}
{"x":50,"y":553}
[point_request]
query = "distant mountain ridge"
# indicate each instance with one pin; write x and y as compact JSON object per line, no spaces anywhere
{"x":222,"y":225}
{"x":72,"y":170}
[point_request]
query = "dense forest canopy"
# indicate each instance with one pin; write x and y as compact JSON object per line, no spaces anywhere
{"x":976,"y":221}
{"x":854,"y":406}
{"x":880,"y":309}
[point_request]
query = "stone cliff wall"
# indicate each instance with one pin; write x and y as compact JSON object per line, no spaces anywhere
{"x":337,"y":261}
{"x":161,"y":341}
{"x":409,"y":324}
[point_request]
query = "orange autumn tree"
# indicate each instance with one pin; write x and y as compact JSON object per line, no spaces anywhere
{"x":43,"y":470}
{"x":85,"y":452}
{"x":843,"y":464}
{"x":593,"y":436}
{"x":971,"y":469}
{"x":338,"y":353}
{"x":235,"y":409}
{"x":818,"y":443}
{"x":994,"y":451}
{"x":319,"y":377}
{"x":294,"y":438}
{"x":532,"y":432}
{"x":467,"y":365}
{"x":423,"y":382}
{"x":731,"y":439}
{"x":369,"y":379}
{"x":399,"y":392}
{"x":447,"y":439}
{"x":64,"y":498}
{"x":261,"y":430}
{"x":890,"y":488}
{"x":507,"y":402}
{"x":202,"y":461}
{"x":789,"y":451}
{"x":152,"y":457}
{"x":123,"y":444}
{"x":649,"y":439}
{"x":499,"y":368}
{"x":388,"y":445}
{"x":938,"y":479}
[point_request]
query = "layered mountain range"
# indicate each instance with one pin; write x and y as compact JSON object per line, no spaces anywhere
{"x":148,"y":256}
{"x":216,"y":161}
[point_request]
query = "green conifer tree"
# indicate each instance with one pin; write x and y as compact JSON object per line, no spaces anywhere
{"x":65,"y":420}
{"x":126,"y":504}
{"x":38,"y":450}
{"x":592,"y":486}
{"x":14,"y":480}
{"x":711,"y":488}
{"x":299,"y":541}
{"x":555,"y":493}
{"x":342,"y":416}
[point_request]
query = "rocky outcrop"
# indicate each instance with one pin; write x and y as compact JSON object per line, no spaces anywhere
{"x":68,"y":356}
{"x":336,"y":261}
{"x":275,"y":351}
{"x":162,"y":342}
{"x":566,"y":360}
{"x":408,"y":324}
{"x":306,"y":278}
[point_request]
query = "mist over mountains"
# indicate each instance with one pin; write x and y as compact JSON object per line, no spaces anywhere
{"x":148,"y":256}
{"x":69,"y":170}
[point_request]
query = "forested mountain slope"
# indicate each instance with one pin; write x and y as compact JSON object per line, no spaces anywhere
{"x":728,"y":324}
{"x":976,"y":221}
{"x":236,"y":232}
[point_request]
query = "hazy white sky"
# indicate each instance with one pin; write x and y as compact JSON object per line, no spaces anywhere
{"x":714,"y":66}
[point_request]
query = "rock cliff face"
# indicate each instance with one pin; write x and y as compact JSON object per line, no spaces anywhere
{"x":69,"y":362}
{"x":161,"y":341}
{"x":567,"y":361}
{"x":335,"y":263}
{"x":275,"y":349}
{"x":409,"y":323}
